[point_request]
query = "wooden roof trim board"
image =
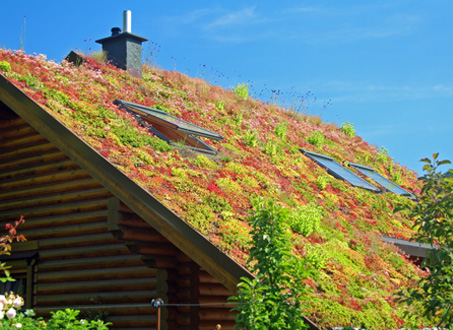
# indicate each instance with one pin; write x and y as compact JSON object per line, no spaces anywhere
{"x":184,"y":237}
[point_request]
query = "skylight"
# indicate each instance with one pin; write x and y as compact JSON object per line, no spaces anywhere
{"x":338,"y":171}
{"x":383,"y":181}
{"x":169,"y":128}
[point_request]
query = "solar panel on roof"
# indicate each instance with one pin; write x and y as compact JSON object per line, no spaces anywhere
{"x":168,"y":120}
{"x":339,"y":171}
{"x":383,"y":181}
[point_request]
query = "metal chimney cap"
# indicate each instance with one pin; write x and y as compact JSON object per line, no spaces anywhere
{"x":127,"y":21}
{"x":115,"y":31}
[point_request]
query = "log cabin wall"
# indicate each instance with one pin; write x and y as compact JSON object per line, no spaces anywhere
{"x":95,"y":254}
{"x":81,"y":264}
{"x":196,"y":300}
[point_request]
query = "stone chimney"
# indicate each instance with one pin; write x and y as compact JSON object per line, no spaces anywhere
{"x":124,"y":50}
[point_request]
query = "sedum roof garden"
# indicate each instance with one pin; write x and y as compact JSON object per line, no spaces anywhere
{"x":337,"y":226}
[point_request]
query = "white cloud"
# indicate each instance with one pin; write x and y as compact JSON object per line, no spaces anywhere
{"x":235,"y":18}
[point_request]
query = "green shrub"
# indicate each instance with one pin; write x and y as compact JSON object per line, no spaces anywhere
{"x":280,"y":130}
{"x":242,"y":90}
{"x":348,"y":128}
{"x":67,"y":319}
{"x":323,"y":181}
{"x":5,"y":66}
{"x":433,"y":220}
{"x":276,"y":297}
{"x":317,"y":138}
{"x":306,"y":220}
{"x":220,"y":105}
{"x":251,"y":138}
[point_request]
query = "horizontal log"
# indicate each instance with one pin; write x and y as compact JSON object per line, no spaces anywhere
{"x":38,"y":169}
{"x":75,"y":241}
{"x":145,"y":321}
{"x":185,"y":295}
{"x":205,"y":277}
{"x":133,"y":221}
{"x":213,"y":290}
{"x":128,"y":284}
{"x":125,"y":209}
{"x":65,"y":231}
{"x":44,"y":179}
{"x":12,"y":129}
{"x":59,"y":198}
{"x":84,"y":251}
{"x":160,"y":249}
{"x":53,"y":210}
{"x":31,"y":150}
{"x":185,"y":268}
{"x":27,"y":160}
{"x":47,"y":189}
{"x":184,"y":281}
{"x":215,"y":314}
{"x":65,"y":220}
{"x":145,"y":235}
{"x":215,"y":301}
{"x":184,"y":320}
{"x":157,"y":261}
{"x":23,"y":140}
{"x":90,"y":298}
{"x":89,"y":263}
{"x":183,"y":258}
{"x":96,"y":274}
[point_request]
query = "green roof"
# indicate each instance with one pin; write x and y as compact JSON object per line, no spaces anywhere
{"x":337,"y":226}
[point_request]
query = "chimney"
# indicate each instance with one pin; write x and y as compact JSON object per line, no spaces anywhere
{"x":124,"y":50}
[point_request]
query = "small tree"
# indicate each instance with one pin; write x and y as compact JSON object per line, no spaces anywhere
{"x":433,"y":216}
{"x":275,"y":297}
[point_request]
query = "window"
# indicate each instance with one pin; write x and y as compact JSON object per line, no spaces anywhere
{"x":338,"y":171}
{"x":169,"y":128}
{"x":383,"y":181}
{"x":22,"y":270}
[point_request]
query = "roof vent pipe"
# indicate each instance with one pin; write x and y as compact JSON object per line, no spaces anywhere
{"x":116,"y":31}
{"x":127,"y":21}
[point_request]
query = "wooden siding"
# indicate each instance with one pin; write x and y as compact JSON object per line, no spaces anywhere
{"x":195,"y":299}
{"x":81,"y":264}
{"x":95,"y":254}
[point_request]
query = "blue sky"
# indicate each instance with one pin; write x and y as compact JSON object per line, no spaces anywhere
{"x":385,"y":66}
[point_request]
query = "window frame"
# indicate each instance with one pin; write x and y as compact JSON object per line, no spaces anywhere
{"x":363,"y":183}
{"x":365,"y":171}
{"x":169,"y":130}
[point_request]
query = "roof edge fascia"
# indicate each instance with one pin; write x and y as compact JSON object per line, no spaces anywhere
{"x":167,"y":223}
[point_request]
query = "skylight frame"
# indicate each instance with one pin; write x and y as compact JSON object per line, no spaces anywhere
{"x":171,"y":121}
{"x":387,"y":184}
{"x":146,"y":117}
{"x":339,"y":171}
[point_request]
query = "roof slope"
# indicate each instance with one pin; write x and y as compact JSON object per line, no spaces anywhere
{"x":336,"y":226}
